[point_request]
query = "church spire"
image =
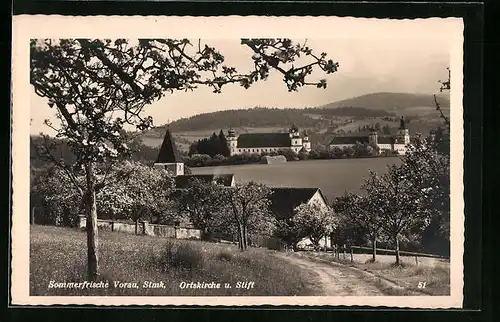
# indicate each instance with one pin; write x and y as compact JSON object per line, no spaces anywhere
{"x":168,"y":151}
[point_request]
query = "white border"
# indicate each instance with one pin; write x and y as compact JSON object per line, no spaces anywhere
{"x":42,"y":26}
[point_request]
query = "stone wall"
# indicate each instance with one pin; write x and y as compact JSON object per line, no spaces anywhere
{"x":143,"y":228}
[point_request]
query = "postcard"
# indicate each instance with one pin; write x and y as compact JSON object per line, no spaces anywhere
{"x":237,"y":161}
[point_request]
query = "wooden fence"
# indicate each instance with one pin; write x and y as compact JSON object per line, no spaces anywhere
{"x":346,"y":252}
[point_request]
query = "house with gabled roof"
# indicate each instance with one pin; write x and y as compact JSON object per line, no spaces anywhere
{"x":284,"y":201}
{"x":268,"y":142}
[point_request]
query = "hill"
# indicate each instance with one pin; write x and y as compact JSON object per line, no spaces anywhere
{"x":322,"y":122}
{"x":399,"y":103}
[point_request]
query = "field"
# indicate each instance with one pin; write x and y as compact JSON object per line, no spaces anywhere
{"x":334,"y":177}
{"x":59,"y":255}
{"x":434,"y":272}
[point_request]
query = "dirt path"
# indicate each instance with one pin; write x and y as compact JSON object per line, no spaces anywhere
{"x":336,"y":279}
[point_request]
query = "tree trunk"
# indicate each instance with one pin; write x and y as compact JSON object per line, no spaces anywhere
{"x":245,"y":237}
{"x":374,"y":250}
{"x":398,"y":261}
{"x":206,"y":234}
{"x":240,"y":239}
{"x":92,"y":240}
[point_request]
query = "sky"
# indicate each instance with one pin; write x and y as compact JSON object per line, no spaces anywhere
{"x":388,"y":58}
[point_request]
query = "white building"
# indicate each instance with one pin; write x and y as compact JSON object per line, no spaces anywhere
{"x":382,"y":143}
{"x":268,"y":142}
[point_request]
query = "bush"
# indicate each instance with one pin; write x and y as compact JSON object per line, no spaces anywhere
{"x":181,"y":256}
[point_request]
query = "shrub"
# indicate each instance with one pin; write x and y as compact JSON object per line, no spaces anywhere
{"x":224,"y":256}
{"x":181,"y":256}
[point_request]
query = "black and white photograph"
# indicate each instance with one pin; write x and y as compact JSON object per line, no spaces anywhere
{"x":242,"y":160}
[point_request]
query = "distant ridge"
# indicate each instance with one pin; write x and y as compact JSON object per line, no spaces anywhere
{"x":391,"y":101}
{"x":369,"y":105}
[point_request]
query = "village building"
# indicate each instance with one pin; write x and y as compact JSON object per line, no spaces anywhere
{"x":381,"y":143}
{"x":268,"y":142}
{"x":284,"y":201}
{"x":170,"y":159}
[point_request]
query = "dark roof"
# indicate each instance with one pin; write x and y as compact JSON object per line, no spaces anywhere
{"x":349,"y":139}
{"x":168,"y":151}
{"x":259,"y":140}
{"x":224,"y":179}
{"x":285,"y":200}
{"x":386,"y":140}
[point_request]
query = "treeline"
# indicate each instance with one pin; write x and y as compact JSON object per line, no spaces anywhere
{"x":349,"y":111}
{"x":215,"y":145}
{"x":385,"y":129}
{"x":252,"y":117}
{"x":270,"y":117}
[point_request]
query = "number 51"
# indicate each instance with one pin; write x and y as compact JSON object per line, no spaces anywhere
{"x":421,"y":284}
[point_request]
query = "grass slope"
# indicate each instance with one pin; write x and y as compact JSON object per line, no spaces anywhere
{"x":59,"y":255}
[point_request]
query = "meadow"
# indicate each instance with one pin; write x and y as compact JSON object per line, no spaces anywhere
{"x":334,"y":177}
{"x":59,"y":255}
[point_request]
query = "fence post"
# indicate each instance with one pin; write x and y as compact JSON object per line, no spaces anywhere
{"x":416,"y":260}
{"x":344,"y":252}
{"x":352,"y":260}
{"x":112,"y":225}
{"x":33,"y":215}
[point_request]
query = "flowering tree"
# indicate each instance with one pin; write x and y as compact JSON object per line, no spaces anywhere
{"x":289,"y":231}
{"x":98,"y":87}
{"x":315,"y":220}
{"x":397,"y":203}
{"x":136,"y":192}
{"x":249,"y":210}
{"x":360,"y":214}
{"x":204,"y":202}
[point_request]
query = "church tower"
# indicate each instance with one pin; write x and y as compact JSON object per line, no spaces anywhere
{"x":296,"y":140}
{"x":232,"y":141}
{"x":306,"y":144}
{"x":169,"y":157}
{"x":403,"y":131}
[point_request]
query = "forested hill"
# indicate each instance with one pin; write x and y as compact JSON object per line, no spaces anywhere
{"x":370,"y":105}
{"x":391,"y":101}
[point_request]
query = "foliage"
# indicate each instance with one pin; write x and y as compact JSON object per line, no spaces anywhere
{"x":137,"y":192}
{"x":134,"y":192}
{"x":399,"y":204}
{"x":52,"y":191}
{"x":213,"y":146}
{"x":204,"y":202}
{"x":248,"y":211}
{"x":315,"y":221}
{"x":359,"y":220}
